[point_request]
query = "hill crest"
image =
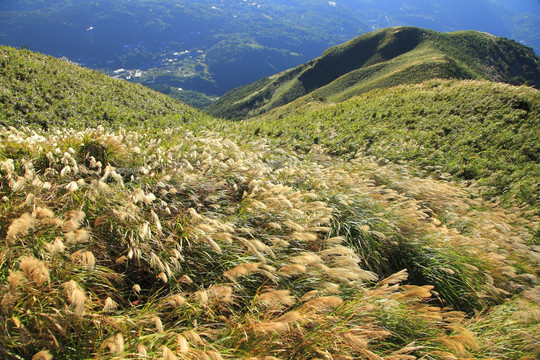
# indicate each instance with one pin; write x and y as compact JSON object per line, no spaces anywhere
{"x":42,"y":90}
{"x":386,"y":58}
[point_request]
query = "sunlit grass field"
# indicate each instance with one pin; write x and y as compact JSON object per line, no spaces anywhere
{"x":168,"y":234}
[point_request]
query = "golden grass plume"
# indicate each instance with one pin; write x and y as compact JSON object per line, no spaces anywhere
{"x":35,"y":270}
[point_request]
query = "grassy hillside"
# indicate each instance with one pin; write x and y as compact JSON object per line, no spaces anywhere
{"x":42,"y":90}
{"x":386,"y":58}
{"x":469,"y":130}
{"x":200,"y":239}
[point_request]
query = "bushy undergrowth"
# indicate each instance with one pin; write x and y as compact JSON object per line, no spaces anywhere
{"x":180,"y":246}
{"x":469,"y":130}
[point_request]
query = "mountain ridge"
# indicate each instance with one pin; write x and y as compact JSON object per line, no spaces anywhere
{"x":384,"y":58}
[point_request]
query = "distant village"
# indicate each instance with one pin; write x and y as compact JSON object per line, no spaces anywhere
{"x":180,"y":62}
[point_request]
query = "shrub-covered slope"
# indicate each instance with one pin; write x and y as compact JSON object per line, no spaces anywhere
{"x":133,"y":244}
{"x":134,"y":241}
{"x":386,"y":58}
{"x":42,"y":90}
{"x":469,"y":130}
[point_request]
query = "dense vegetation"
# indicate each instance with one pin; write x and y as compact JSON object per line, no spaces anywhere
{"x":188,"y":237}
{"x":206,"y":45}
{"x":469,"y":130}
{"x":382,"y":59}
{"x":42,"y":90}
